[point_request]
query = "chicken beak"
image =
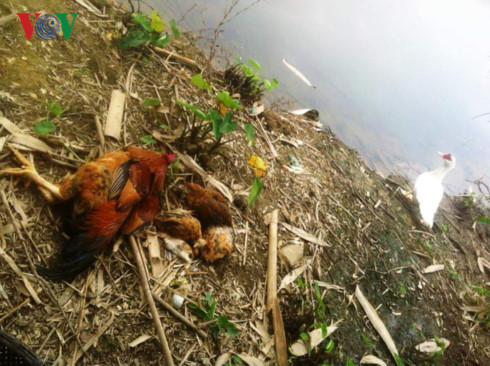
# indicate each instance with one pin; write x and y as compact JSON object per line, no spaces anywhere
{"x":200,"y":243}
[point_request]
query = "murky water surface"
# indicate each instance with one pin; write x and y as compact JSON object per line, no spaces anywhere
{"x":398,"y":80}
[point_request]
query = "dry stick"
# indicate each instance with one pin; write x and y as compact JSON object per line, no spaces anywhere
{"x":100,"y":133}
{"x":245,"y":245}
{"x":272,"y":303}
{"x":21,"y":305}
{"x":179,"y":316}
{"x":115,"y":115}
{"x":173,"y":55}
{"x":377,"y":322}
{"x":151,"y":302}
{"x":7,"y":19}
{"x":266,"y":138}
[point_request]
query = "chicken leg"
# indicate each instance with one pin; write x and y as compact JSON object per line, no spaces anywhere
{"x":49,"y":191}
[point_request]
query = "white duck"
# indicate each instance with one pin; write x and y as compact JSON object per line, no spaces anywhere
{"x":429,"y":189}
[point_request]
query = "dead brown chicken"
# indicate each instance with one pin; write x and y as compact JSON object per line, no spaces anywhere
{"x":211,"y":209}
{"x":116,"y":194}
{"x":180,"y":231}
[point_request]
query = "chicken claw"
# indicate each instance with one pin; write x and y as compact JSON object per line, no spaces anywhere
{"x":49,"y":191}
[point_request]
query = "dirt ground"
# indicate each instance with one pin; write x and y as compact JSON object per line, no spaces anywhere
{"x":357,"y":227}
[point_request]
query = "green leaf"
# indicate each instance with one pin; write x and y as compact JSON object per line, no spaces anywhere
{"x":484,"y":220}
{"x":238,"y":59}
{"x":255,"y":191}
{"x":228,"y":125}
{"x":222,"y":321}
{"x":232,"y":330}
{"x":329,"y":347}
{"x":142,"y":20}
{"x":350,"y":362}
{"x":198,"y":112}
{"x":398,"y":360}
{"x":211,"y":310}
{"x":157,"y":24}
{"x":164,"y":127}
{"x":275,"y":83}
{"x":160,"y":40}
{"x":249,"y":131}
{"x":151,"y":102}
{"x":198,"y":81}
{"x":444,"y":228}
{"x":199,"y":311}
{"x":366,"y":340}
{"x":147,"y":139}
{"x":324,"y":329}
{"x":134,"y":38}
{"x":175,"y":30}
{"x":216,"y":121}
{"x":267,"y":84}
{"x":304,"y":336}
{"x":224,"y":97}
{"x":44,"y":127}
{"x":54,"y":108}
{"x":237,"y":360}
{"x":254,"y":64}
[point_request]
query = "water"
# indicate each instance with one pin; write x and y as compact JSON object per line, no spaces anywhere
{"x":397,"y":80}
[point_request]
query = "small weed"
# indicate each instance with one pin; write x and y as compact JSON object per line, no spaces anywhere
{"x":245,"y":78}
{"x":198,"y":81}
{"x":148,"y":140}
{"x":151,"y":102}
{"x":367,"y":341}
{"x":47,"y":126}
{"x":257,"y":187}
{"x":147,"y":29}
{"x":206,"y":311}
{"x":349,"y":362}
{"x":484,"y":220}
{"x":402,"y":291}
{"x":235,"y":361}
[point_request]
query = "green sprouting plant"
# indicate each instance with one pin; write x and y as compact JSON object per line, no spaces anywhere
{"x":147,"y":29}
{"x":367,"y":341}
{"x":402,"y":291}
{"x":151,"y":102}
{"x":257,"y":187}
{"x":245,"y":76}
{"x":148,"y":140}
{"x":206,"y":311}
{"x":217,"y":122}
{"x":46,"y":125}
{"x":484,"y":220}
{"x":235,"y":361}
{"x":349,"y":362}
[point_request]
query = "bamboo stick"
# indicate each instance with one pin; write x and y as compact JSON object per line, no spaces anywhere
{"x":182,"y":59}
{"x":151,"y":303}
{"x":115,"y":115}
{"x":272,"y":303}
{"x":377,"y":322}
{"x":100,"y":133}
